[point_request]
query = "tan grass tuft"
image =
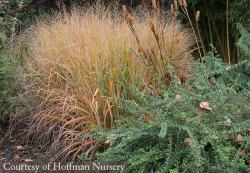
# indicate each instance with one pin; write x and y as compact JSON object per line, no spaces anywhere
{"x":80,"y":65}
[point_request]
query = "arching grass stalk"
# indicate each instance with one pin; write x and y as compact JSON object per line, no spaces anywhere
{"x":183,"y":5}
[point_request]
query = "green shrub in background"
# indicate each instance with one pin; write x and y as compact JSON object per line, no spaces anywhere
{"x":15,"y":15}
{"x":239,"y":74}
{"x":217,"y":24}
{"x":8,"y":89}
{"x":201,"y":127}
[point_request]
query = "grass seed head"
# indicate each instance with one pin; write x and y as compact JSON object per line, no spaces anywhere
{"x":184,"y":2}
{"x":197,"y":16}
{"x":176,"y":5}
{"x":127,"y":16}
{"x":180,"y":3}
{"x":154,"y":4}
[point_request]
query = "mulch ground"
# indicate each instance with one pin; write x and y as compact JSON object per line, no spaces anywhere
{"x":15,"y":147}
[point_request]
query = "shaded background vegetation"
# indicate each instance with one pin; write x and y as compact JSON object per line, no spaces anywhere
{"x":217,"y":24}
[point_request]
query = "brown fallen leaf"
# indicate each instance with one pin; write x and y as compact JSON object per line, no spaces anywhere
{"x":156,"y":94}
{"x":228,"y":121}
{"x":148,"y":118}
{"x":248,"y":129}
{"x":239,"y":138}
{"x":28,"y":160}
{"x":188,"y":141}
{"x":16,"y":157}
{"x":239,"y":111}
{"x":2,"y":158}
{"x":205,"y":106}
{"x":107,"y":143}
{"x":20,"y":147}
{"x":52,"y":159}
{"x":242,"y":152}
{"x":178,"y":97}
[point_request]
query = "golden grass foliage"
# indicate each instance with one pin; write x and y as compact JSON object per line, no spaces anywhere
{"x":80,"y":65}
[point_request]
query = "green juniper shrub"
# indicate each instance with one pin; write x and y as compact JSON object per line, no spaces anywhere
{"x":239,"y":74}
{"x":8,"y":89}
{"x":203,"y":126}
{"x":180,"y":136}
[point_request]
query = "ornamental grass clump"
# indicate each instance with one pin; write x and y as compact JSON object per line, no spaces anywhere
{"x":79,"y":66}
